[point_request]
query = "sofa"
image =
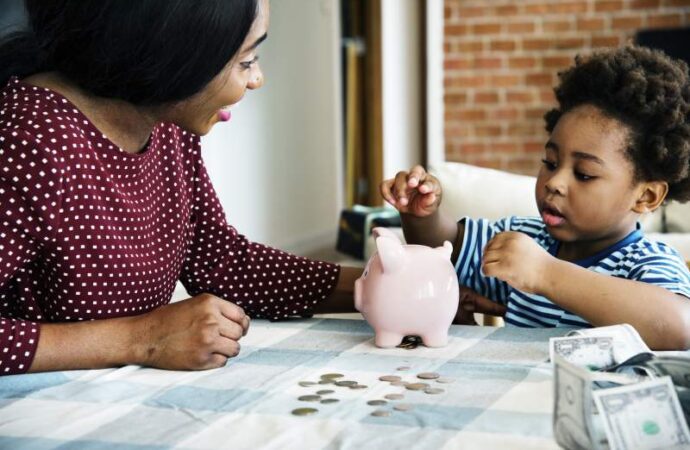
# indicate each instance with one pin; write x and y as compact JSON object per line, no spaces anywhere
{"x":487,"y":193}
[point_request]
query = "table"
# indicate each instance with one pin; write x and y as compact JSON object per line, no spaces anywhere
{"x":502,"y":396}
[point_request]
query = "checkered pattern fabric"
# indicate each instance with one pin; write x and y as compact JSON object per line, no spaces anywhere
{"x":501,"y":398}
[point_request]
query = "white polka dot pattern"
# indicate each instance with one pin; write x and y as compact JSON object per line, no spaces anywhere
{"x":88,"y":231}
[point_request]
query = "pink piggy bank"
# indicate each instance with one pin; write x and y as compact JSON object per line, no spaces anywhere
{"x":408,"y":290}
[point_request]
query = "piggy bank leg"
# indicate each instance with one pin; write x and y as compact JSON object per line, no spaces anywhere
{"x":386,"y":339}
{"x":435,"y":339}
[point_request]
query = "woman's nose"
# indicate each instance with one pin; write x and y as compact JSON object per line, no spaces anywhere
{"x":257,"y":79}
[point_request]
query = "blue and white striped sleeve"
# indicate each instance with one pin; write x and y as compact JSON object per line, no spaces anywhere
{"x":477,"y":234}
{"x":663,"y":268}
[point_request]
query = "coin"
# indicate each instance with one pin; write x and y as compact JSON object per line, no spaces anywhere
{"x":332,"y":376}
{"x":403,"y":407}
{"x":304,"y":411}
{"x":381,"y":413}
{"x":428,"y":375}
{"x":359,"y":386}
{"x":346,"y":383}
{"x":309,"y":398}
{"x":410,"y":342}
{"x":431,"y":390}
{"x":327,"y":381}
{"x":306,"y":383}
{"x":329,"y":400}
{"x":402,"y":368}
{"x":324,"y":392}
{"x":416,"y":386}
{"x":376,"y":402}
{"x":394,"y":396}
{"x":390,"y":378}
{"x":445,"y":380}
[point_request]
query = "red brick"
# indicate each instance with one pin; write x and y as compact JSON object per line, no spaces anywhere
{"x":645,"y":4}
{"x":457,"y":131}
{"x":569,"y":43}
{"x":503,"y":45}
{"x":626,"y":23}
{"x":519,"y":97}
{"x":470,"y":148}
{"x":539,"y":79}
{"x":487,"y":131}
{"x":456,"y":30}
{"x":504,"y":147}
{"x":537,"y":8}
{"x":677,"y":3}
{"x":487,"y":63}
{"x":608,"y":6}
{"x":590,"y":24}
{"x":536,"y":44}
{"x":457,"y":98}
{"x":448,"y":13}
{"x":573,"y":7}
{"x":606,"y":41}
{"x":664,"y":21}
{"x":547,"y":96}
{"x":534,"y":113}
{"x":472,"y":114}
{"x":527,"y":129}
{"x":457,"y":64}
{"x":504,"y":80}
{"x":506,"y":10}
{"x":473,"y":11}
{"x":522,"y":165}
{"x":520,"y":27}
{"x":556,"y":26}
{"x":470,"y":46}
{"x":522,"y":62}
{"x":533,"y":146}
{"x":504,"y":114}
{"x":486,"y":97}
{"x":486,"y":28}
{"x":556,"y":62}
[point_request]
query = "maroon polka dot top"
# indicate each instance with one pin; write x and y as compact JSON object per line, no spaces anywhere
{"x":89,"y":231}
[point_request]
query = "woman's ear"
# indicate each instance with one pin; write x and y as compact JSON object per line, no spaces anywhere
{"x":651,"y":195}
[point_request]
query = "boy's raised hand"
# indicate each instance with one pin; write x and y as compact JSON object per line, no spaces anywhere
{"x":415,"y":192}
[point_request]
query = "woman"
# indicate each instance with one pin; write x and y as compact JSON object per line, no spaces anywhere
{"x":105,"y":199}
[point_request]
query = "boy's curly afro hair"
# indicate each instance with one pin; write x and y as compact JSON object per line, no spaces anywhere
{"x":647,"y":91}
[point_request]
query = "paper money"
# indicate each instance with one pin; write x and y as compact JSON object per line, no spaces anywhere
{"x":593,"y":353}
{"x":644,"y":415}
{"x":626,"y":340}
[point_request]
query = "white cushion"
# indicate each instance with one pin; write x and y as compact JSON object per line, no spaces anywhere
{"x":678,"y":217}
{"x":487,"y":193}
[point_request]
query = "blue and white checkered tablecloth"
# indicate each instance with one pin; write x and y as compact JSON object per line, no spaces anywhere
{"x":502,"y":396}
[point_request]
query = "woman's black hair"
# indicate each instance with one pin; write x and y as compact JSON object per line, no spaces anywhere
{"x":146,"y":52}
{"x":647,"y":91}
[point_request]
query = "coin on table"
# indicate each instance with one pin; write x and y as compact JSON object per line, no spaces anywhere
{"x":376,"y":402}
{"x":346,"y":383}
{"x":394,"y":396}
{"x":327,"y":381}
{"x":403,"y":407}
{"x":326,"y":401}
{"x":428,"y":375}
{"x":390,"y":378}
{"x":324,"y":392}
{"x":304,"y":411}
{"x":359,"y":386}
{"x":403,"y":368}
{"x":309,"y":398}
{"x":306,"y":383}
{"x":332,"y":376}
{"x":431,"y":390}
{"x":381,"y":413}
{"x":416,"y":386}
{"x":445,"y":380}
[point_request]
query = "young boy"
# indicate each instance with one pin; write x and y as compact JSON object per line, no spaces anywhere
{"x":619,"y":146}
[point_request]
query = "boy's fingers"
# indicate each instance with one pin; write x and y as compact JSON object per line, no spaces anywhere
{"x":385,"y":189}
{"x":416,"y":175}
{"x":399,"y":188}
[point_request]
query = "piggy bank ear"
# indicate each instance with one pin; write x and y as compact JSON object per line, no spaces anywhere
{"x":391,"y":253}
{"x":384,"y":232}
{"x":446,"y":250}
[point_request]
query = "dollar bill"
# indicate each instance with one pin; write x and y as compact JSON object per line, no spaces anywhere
{"x":594,"y":353}
{"x":627,"y":342}
{"x":645,"y":415}
{"x":676,"y":367}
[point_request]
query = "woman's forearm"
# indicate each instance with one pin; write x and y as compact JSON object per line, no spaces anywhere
{"x":661,"y":317}
{"x":342,"y":298}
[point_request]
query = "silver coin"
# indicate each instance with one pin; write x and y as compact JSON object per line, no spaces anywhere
{"x":394,"y":396}
{"x":359,"y":386}
{"x":445,"y":380}
{"x":329,"y":400}
{"x":390,"y":378}
{"x":428,"y":375}
{"x":304,"y":411}
{"x":309,"y":398}
{"x":376,"y":402}
{"x":346,"y":383}
{"x":324,"y":392}
{"x":306,"y":383}
{"x":327,"y":381}
{"x":416,"y":386}
{"x":403,"y":407}
{"x":403,"y":368}
{"x":398,"y":383}
{"x":332,"y":376}
{"x":381,"y":413}
{"x":431,"y":390}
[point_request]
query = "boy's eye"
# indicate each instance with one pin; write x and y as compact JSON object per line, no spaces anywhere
{"x":246,"y":65}
{"x":583,"y":177}
{"x":550,"y":166}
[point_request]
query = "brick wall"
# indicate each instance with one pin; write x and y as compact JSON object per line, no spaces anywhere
{"x":502,"y":59}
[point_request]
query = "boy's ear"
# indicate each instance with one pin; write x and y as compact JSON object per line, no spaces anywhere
{"x":652,"y":195}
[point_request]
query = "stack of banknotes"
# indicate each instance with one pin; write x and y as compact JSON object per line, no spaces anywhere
{"x":613,"y":392}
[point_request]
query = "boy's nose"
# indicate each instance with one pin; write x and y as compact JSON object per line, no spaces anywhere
{"x":556,"y":185}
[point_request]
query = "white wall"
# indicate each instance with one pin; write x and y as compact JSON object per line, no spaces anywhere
{"x":402,"y":111}
{"x":434,"y":88}
{"x":277,"y":164}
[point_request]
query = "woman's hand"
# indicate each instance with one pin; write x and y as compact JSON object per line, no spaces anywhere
{"x":471,"y":302}
{"x":199,"y":333}
{"x":518,"y":260}
{"x":415,"y":192}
